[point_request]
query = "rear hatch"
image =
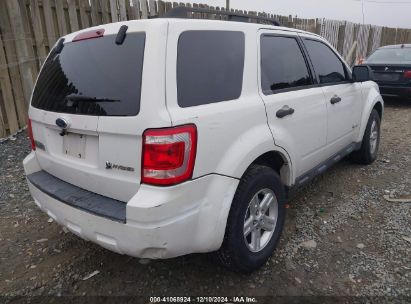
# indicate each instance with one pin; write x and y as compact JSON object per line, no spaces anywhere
{"x":95,"y":86}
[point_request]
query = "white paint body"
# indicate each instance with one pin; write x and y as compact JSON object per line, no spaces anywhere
{"x":165,"y":222}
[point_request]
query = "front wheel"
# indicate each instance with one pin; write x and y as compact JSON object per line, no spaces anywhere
{"x":371,"y":141}
{"x":255,"y":221}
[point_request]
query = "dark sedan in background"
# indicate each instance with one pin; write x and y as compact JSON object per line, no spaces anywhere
{"x":391,"y":67}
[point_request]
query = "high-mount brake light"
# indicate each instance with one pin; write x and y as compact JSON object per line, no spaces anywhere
{"x":168,"y":155}
{"x":89,"y":35}
{"x":30,"y":132}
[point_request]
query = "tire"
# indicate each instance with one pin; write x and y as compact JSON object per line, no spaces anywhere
{"x":368,"y":153}
{"x":240,"y":253}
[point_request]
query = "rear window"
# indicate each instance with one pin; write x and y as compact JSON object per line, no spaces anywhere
{"x":210,"y":67}
{"x":402,"y":55}
{"x":93,"y":77}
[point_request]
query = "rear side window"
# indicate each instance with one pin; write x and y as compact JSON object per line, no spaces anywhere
{"x":210,"y":67}
{"x":327,"y":65}
{"x":93,"y":77}
{"x":282,"y":64}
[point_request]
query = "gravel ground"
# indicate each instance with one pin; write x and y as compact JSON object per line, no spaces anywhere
{"x":342,"y":238}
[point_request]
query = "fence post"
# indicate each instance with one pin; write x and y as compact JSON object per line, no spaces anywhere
{"x":24,"y":50}
{"x":95,"y":7}
{"x":113,"y":9}
{"x":136,"y":9}
{"x":144,"y":9}
{"x":83,"y":6}
{"x":161,"y":8}
{"x":370,"y":43}
{"x":341,"y":38}
{"x":152,"y":7}
{"x":3,"y":131}
{"x":122,"y":9}
{"x":74,"y":26}
{"x":61,"y":18}
{"x":8,"y":100}
{"x":318,"y":26}
{"x":351,"y":53}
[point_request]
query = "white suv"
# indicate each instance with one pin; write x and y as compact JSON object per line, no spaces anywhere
{"x":164,"y":137}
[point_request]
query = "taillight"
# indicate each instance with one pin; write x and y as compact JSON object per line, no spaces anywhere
{"x":89,"y":35}
{"x":168,"y":155}
{"x":30,"y":131}
{"x":407,"y":74}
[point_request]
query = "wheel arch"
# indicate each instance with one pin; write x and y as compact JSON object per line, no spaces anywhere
{"x":272,"y":156}
{"x":378,"y":106}
{"x":373,"y":101}
{"x":279,"y":161}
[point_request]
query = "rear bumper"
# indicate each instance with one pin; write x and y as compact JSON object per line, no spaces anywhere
{"x":395,"y":91}
{"x":161,"y":222}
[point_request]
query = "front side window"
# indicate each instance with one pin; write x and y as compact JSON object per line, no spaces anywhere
{"x":209,"y":67}
{"x":282,"y":64}
{"x":327,"y":65}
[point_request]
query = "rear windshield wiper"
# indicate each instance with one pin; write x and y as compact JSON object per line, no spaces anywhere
{"x":83,"y":98}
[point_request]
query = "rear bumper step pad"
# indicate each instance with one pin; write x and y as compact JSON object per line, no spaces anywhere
{"x":79,"y":198}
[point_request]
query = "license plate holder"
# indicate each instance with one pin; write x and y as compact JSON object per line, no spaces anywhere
{"x":75,"y":145}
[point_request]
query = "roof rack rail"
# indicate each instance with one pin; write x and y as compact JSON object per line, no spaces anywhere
{"x":182,"y":12}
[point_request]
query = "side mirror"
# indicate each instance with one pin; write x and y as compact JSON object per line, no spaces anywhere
{"x":361,"y":73}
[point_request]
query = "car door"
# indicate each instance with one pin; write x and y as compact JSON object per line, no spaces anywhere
{"x":295,"y":105}
{"x":343,"y":97}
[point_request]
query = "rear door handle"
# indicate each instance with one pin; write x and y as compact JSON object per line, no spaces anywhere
{"x":335,"y":99}
{"x":284,"y":111}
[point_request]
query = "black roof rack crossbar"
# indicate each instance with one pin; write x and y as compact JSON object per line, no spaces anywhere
{"x":182,"y":12}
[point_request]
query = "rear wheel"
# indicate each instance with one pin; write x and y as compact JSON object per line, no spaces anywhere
{"x":371,"y":141}
{"x":255,"y":221}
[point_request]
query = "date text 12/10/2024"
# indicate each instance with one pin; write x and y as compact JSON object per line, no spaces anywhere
{"x":207,"y":299}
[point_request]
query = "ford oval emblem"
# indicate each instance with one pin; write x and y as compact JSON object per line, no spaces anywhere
{"x":62,"y":123}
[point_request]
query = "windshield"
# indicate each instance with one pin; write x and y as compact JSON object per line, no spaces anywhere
{"x":93,"y":77}
{"x":398,"y":55}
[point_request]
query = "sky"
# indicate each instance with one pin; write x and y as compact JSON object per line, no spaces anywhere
{"x":392,"y":13}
